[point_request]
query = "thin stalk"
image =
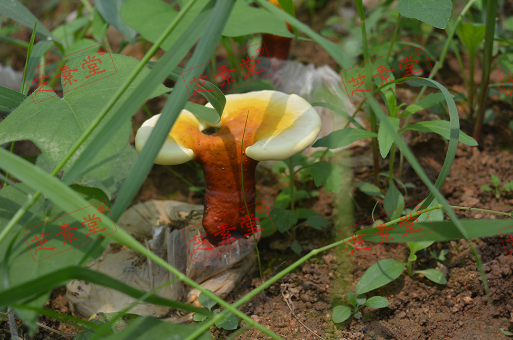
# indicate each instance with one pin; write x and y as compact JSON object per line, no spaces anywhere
{"x":491,"y":17}
{"x":291,"y":181}
{"x":460,"y":62}
{"x":471,"y":83}
{"x":483,"y":210}
{"x":182,"y":178}
{"x":244,"y":197}
{"x":373,"y":123}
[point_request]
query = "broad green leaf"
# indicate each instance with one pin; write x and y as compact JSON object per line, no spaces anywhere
{"x":486,"y":188}
{"x":385,"y":139}
{"x":509,"y":334}
{"x":433,"y":274}
{"x":296,"y":247}
{"x":205,"y":301}
{"x":471,"y":35}
{"x":128,"y":108}
{"x":99,"y":26}
{"x":54,"y":124}
{"x":443,"y":128}
{"x":341,"y":314}
{"x":22,"y":267}
{"x":216,"y":97}
{"x":446,"y":230}
{"x":377,"y":302}
{"x":327,"y":174}
{"x":394,"y":202}
{"x":343,"y":137}
{"x":203,"y":112}
{"x":317,"y":222}
{"x":305,"y":213}
{"x":143,"y":328}
{"x":150,"y":17}
{"x":229,"y":322}
{"x":433,"y":12}
{"x":10,"y":99}
{"x":352,"y":298}
{"x":199,"y":317}
{"x":495,"y":180}
{"x":379,"y":274}
{"x":14,"y":10}
{"x":360,"y":300}
{"x":416,"y":246}
{"x":369,"y":189}
{"x":283,"y":219}
{"x":110,"y":12}
{"x":426,"y":102}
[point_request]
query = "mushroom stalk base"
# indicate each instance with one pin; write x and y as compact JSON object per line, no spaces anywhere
{"x":225,"y":214}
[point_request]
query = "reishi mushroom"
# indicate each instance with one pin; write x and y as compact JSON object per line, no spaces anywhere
{"x":278,"y":126}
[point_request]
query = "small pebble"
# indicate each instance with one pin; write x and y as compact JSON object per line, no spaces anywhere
{"x":308,"y":304}
{"x":401,"y":315}
{"x":255,"y":318}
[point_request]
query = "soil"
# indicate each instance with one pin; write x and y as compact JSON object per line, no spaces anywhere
{"x":299,"y":305}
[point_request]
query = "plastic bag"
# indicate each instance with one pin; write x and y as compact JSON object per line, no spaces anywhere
{"x":174,"y":241}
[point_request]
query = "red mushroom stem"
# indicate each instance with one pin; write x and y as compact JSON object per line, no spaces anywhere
{"x":219,"y":155}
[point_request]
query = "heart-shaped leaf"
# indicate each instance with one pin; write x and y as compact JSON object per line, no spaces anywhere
{"x":341,"y":313}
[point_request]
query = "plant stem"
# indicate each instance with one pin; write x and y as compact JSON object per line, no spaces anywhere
{"x":408,"y":268}
{"x":491,"y":17}
{"x":471,"y":83}
{"x":291,"y":181}
{"x":374,"y":126}
{"x":483,"y":210}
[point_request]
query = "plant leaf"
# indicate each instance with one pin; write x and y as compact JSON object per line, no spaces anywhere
{"x":377,"y":302}
{"x":416,"y":246}
{"x":343,"y":137}
{"x":379,"y":274}
{"x":486,"y":188}
{"x":38,"y":51}
{"x":385,"y":139}
{"x":443,"y":128}
{"x":509,"y":334}
{"x":283,"y":219}
{"x":352,"y":298}
{"x":433,"y":215}
{"x":495,"y":180}
{"x":110,"y":12}
{"x":471,"y":35}
{"x":340,"y":112}
{"x":341,"y":313}
{"x":369,"y":189}
{"x":360,"y":300}
{"x":358,"y":315}
{"x":203,"y":112}
{"x":296,"y":247}
{"x":433,"y":274}
{"x":317,"y":222}
{"x":10,"y":99}
{"x":14,"y":10}
{"x":327,"y":174}
{"x":229,"y":321}
{"x":394,"y":202}
{"x":205,"y":301}
{"x":426,"y":102}
{"x":54,"y":124}
{"x":433,"y":12}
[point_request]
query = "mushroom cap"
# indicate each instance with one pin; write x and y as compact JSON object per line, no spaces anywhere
{"x":174,"y":150}
{"x":283,"y":124}
{"x":278,"y":127}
